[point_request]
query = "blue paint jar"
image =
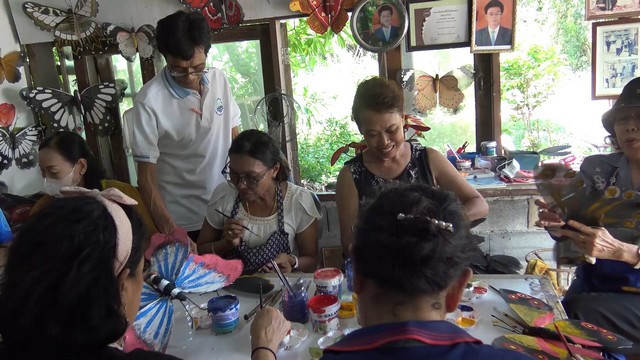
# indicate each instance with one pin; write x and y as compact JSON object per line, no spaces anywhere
{"x":224,"y":312}
{"x":294,"y":306}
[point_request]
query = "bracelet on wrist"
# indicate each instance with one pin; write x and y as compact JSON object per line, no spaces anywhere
{"x":263,"y":348}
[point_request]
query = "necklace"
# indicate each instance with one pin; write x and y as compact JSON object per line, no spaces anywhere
{"x":275,"y":201}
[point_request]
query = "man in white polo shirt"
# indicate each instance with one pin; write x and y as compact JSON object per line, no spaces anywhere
{"x":184,"y":121}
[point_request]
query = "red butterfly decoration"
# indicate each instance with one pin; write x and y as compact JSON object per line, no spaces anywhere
{"x":410,"y":122}
{"x":324,"y":14}
{"x":219,"y":13}
{"x":536,"y":332}
{"x":7,"y":114}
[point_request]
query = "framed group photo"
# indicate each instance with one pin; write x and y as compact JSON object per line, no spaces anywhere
{"x":438,"y":24}
{"x":379,"y":25}
{"x":611,"y":9}
{"x":614,"y":56}
{"x":493,"y":24}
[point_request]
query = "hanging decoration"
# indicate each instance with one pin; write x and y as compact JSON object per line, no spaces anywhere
{"x":131,"y":42}
{"x":219,"y":13}
{"x":21,"y":146}
{"x":93,"y":103}
{"x":429,"y":91}
{"x":9,"y":67}
{"x":167,"y":280}
{"x":324,"y":14}
{"x":73,"y":27}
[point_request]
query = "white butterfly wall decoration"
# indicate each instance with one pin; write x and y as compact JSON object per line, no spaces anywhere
{"x":21,"y":146}
{"x":73,"y":27}
{"x":93,"y":103}
{"x":131,"y":42}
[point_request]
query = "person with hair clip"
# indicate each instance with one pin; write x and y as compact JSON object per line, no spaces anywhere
{"x":257,"y":215}
{"x":378,"y":110}
{"x":66,"y":160}
{"x":411,"y":258}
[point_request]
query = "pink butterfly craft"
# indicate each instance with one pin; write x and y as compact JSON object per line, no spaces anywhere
{"x":132,"y":42}
{"x":171,"y":261}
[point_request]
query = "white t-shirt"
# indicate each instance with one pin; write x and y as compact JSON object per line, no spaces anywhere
{"x":187,"y":136}
{"x":299,"y":212}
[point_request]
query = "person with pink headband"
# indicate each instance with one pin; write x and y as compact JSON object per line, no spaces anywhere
{"x":74,"y":278}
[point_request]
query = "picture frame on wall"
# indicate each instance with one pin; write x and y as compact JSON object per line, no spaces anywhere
{"x":438,"y":24}
{"x":493,"y":26}
{"x":614,"y":56}
{"x":611,"y":9}
{"x":379,"y":25}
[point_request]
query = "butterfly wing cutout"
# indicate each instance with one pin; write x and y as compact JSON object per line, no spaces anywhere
{"x":233,"y":13}
{"x":9,"y":65}
{"x":422,"y":88}
{"x":153,"y":324}
{"x":97,"y":100}
{"x":449,"y":94}
{"x":7,"y":114}
{"x":533,"y":311}
{"x":56,"y":103}
{"x":146,"y":41}
{"x":542,"y":348}
{"x":213,"y":11}
{"x":587,"y":334}
{"x":21,"y":147}
{"x":75,"y":28}
{"x":566,"y":191}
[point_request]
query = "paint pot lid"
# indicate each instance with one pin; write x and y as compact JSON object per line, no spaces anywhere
{"x":318,"y":303}
{"x":222,"y":303}
{"x":327,"y":274}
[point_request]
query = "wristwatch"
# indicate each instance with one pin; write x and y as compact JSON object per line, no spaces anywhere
{"x":295,"y":262}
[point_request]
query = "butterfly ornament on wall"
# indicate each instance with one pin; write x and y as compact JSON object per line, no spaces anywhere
{"x":20,"y":146}
{"x":9,"y":67}
{"x":219,"y":13}
{"x":73,"y":27}
{"x":173,"y":272}
{"x":324,"y":14}
{"x":427,"y":91}
{"x":94,"y":104}
{"x":131,"y":42}
{"x":536,"y":334}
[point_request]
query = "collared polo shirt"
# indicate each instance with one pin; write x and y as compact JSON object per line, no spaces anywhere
{"x":188,"y":137}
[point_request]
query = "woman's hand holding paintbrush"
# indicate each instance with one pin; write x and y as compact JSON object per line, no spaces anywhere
{"x":233,"y":230}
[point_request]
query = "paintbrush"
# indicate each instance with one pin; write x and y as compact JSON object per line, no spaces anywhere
{"x":243,"y":226}
{"x":566,"y":344}
{"x":284,"y":280}
{"x":268,"y":301}
{"x":260,"y":296}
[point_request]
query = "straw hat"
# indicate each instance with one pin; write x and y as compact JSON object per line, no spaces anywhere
{"x":630,"y":97}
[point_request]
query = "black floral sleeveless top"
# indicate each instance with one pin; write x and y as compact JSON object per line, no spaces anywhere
{"x":369,"y":184}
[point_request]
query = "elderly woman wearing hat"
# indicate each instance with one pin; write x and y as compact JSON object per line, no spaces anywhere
{"x":607,"y":293}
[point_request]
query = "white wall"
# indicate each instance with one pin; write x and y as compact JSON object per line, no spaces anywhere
{"x":22,"y":182}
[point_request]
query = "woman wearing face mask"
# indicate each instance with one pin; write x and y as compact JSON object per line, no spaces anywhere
{"x":66,"y":160}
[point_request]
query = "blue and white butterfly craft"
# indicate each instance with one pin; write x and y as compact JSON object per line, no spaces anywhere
{"x":94,"y":103}
{"x":174,"y":272}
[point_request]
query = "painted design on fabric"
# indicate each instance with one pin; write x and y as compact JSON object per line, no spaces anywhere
{"x":219,"y":107}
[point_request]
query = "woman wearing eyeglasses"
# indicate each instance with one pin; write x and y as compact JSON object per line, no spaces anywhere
{"x":271,"y":218}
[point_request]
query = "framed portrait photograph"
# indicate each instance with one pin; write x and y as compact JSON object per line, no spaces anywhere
{"x":493,"y":25}
{"x":438,"y":24}
{"x":614,"y":57}
{"x":379,"y":25}
{"x":611,"y":9}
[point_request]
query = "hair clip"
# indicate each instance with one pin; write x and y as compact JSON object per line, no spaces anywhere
{"x":437,"y":223}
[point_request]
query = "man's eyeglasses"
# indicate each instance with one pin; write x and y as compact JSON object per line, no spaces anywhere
{"x":197,"y":73}
{"x":249,"y":181}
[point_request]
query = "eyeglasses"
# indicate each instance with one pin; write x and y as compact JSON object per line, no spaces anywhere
{"x":198,"y":73}
{"x":249,"y":181}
